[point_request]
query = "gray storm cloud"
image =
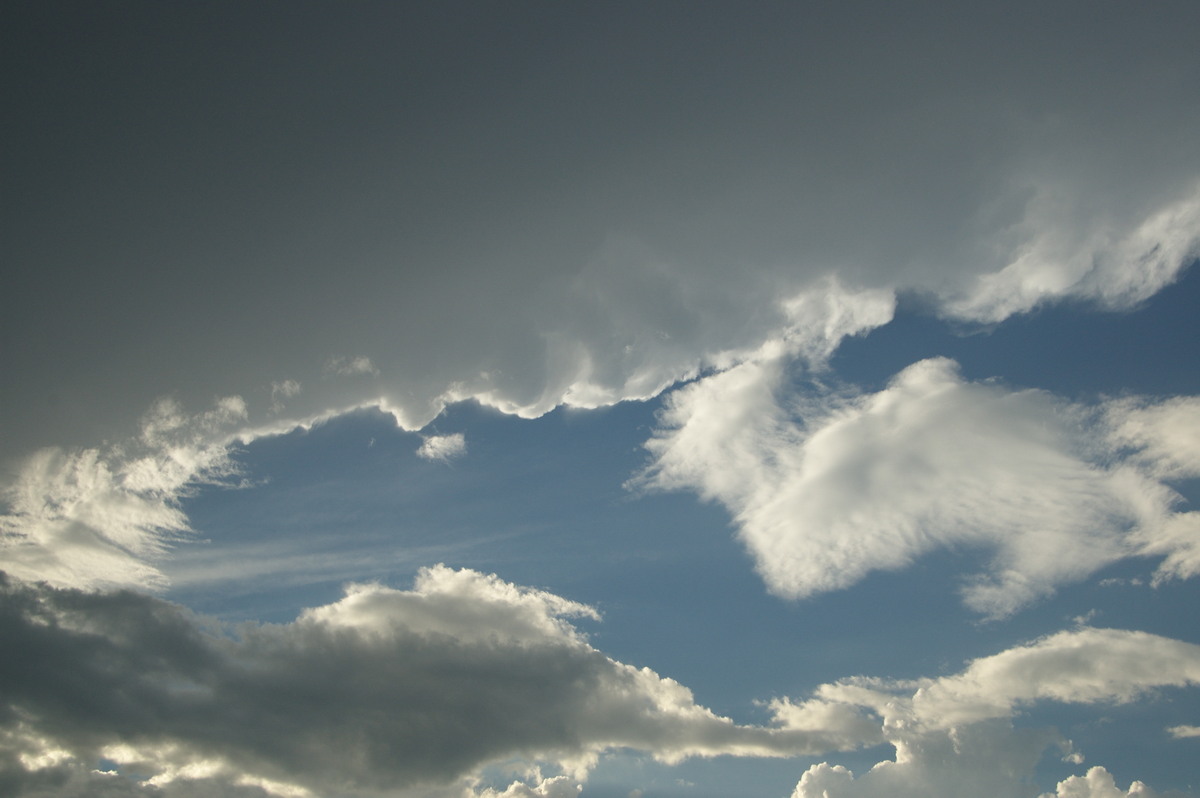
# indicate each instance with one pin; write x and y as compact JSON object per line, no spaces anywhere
{"x":532,"y":206}
{"x":547,"y":207}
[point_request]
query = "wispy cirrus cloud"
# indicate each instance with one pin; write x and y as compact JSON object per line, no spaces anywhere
{"x":100,"y":517}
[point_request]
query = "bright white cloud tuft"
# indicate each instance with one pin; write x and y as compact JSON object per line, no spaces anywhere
{"x":443,"y":447}
{"x":1098,"y":783}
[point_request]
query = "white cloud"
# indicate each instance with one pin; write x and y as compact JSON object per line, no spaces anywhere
{"x":1116,"y":263}
{"x":96,"y":517}
{"x":555,"y":787}
{"x":1164,"y":437}
{"x":1081,"y":666}
{"x":443,"y":447}
{"x":953,"y":735}
{"x":398,"y":692}
{"x":843,"y":484}
{"x":1184,"y":731}
{"x":980,"y":761}
{"x":1098,"y":783}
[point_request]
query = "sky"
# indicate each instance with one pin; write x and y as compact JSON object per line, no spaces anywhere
{"x":616,"y":400}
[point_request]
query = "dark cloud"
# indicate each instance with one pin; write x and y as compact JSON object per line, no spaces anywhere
{"x":383,"y":691}
{"x":540,"y":204}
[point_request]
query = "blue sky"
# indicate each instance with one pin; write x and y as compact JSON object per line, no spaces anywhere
{"x":486,"y":401}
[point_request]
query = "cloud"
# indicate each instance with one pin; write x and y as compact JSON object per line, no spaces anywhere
{"x":953,"y":735}
{"x":351,"y":366}
{"x":97,"y":517}
{"x":1183,"y":732}
{"x":1079,"y":666}
{"x":385,"y":692}
{"x":671,"y":234}
{"x":980,"y":761}
{"x":1098,"y":783}
{"x":443,"y":447}
{"x":1163,"y":437}
{"x":1113,"y":266}
{"x":667,"y":229}
{"x":841,"y":484}
{"x":281,"y":391}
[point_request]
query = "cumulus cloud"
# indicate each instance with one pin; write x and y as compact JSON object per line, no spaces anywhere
{"x":841,"y":484}
{"x":385,"y":692}
{"x":954,"y":735}
{"x":982,"y":761}
{"x":443,"y":447}
{"x":1098,"y":783}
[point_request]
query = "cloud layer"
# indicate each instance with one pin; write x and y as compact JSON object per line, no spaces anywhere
{"x":529,"y":231}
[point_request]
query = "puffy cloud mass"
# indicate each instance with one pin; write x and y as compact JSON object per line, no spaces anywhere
{"x":386,"y":692}
{"x":832,"y":487}
{"x":953,"y":735}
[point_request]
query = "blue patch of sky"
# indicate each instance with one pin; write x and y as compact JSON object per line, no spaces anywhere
{"x":542,"y":503}
{"x":1071,"y":349}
